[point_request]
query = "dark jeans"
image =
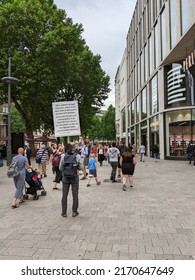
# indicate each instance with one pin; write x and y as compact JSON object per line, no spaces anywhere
{"x":74,"y":182}
{"x":113,"y":172}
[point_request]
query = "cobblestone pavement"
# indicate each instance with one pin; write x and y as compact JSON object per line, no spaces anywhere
{"x":153,"y":220}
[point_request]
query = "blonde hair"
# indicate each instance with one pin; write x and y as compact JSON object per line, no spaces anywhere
{"x":61,"y":149}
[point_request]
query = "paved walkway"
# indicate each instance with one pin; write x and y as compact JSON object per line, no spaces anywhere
{"x":154,"y":220}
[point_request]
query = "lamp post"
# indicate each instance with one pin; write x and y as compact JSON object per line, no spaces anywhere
{"x":9,"y":80}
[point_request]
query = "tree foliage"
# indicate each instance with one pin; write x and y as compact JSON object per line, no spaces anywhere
{"x":103,"y":129}
{"x":52,"y":62}
{"x":17,"y":123}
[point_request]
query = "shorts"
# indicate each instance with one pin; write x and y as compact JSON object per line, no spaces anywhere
{"x":93,"y":172}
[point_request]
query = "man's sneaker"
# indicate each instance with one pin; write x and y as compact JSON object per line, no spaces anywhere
{"x":114,"y":181}
{"x":83,"y":178}
{"x":88,"y":185}
{"x":124,"y":188}
{"x":45,"y":175}
{"x":74,"y":214}
{"x":98,"y":183}
{"x":131,"y":186}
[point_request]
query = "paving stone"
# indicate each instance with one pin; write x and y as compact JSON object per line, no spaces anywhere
{"x":104,"y":247}
{"x":110,"y":256}
{"x":92,"y":255}
{"x":155,"y":219}
{"x":88,"y":246}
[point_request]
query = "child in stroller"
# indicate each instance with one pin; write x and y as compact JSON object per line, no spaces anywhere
{"x":34,"y":183}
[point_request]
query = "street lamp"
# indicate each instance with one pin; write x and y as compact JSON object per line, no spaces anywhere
{"x":9,"y":80}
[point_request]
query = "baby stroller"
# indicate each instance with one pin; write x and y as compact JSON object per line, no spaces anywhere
{"x":34,"y":185}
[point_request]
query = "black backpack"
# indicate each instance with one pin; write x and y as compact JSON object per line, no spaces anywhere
{"x":70,"y":165}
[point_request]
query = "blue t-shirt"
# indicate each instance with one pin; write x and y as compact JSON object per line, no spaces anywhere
{"x":21,"y":163}
{"x":92,"y":162}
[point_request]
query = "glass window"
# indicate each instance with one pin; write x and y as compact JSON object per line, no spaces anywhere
{"x":144,"y":26}
{"x":132,"y":113}
{"x":154,"y":95}
{"x":142,"y":69}
{"x":154,"y":132}
{"x":179,"y":86}
{"x":138,"y":74}
{"x":180,"y":132}
{"x":163,"y":35}
{"x":157,"y":45}
{"x":185,"y":15}
{"x":137,"y":109}
{"x":151,"y":53}
{"x":123,"y":121}
{"x":173,"y":21}
{"x":146,"y":61}
{"x":143,"y":104}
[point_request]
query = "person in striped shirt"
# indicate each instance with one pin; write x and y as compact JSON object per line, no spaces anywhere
{"x":43,"y":153}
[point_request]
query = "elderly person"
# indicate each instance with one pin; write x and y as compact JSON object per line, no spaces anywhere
{"x":19,"y":180}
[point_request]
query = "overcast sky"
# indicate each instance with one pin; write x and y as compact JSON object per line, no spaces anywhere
{"x":105,"y":23}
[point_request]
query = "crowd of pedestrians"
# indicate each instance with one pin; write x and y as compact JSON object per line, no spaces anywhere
{"x":67,"y":162}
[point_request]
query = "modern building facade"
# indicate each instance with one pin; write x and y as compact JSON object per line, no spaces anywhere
{"x":155,"y":82}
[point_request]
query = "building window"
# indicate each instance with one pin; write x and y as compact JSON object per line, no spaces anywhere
{"x":146,"y":61}
{"x":154,"y":131}
{"x":151,"y":53}
{"x":143,"y":104}
{"x":163,"y":34}
{"x":142,"y":74}
{"x":132,"y":113}
{"x":179,"y":86}
{"x":137,"y":109}
{"x":154,"y":95}
{"x":173,"y":22}
{"x":157,"y":46}
{"x":181,"y":128}
{"x":185,"y":15}
{"x":123,"y":121}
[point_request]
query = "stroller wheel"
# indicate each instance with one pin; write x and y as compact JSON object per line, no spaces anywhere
{"x":36,"y":197}
{"x":43,"y":193}
{"x":26,"y":196}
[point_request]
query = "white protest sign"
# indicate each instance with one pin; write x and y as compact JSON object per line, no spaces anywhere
{"x":66,"y":118}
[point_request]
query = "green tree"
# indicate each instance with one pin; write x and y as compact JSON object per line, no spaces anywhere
{"x":108,"y":124}
{"x":52,"y":62}
{"x":94,"y":132}
{"x":17,"y":123}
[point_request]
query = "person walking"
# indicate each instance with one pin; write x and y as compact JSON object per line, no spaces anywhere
{"x":84,"y":159}
{"x":93,"y":170}
{"x":70,"y":164}
{"x":142,"y":151}
{"x":113,"y":154}
{"x":128,"y":162}
{"x":121,"y":148}
{"x":55,"y":166}
{"x":155,"y":152}
{"x":43,"y":154}
{"x":19,"y":180}
{"x":189,"y":153}
{"x":100,"y":152}
{"x":27,"y":153}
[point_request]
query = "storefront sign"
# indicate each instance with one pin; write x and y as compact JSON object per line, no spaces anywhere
{"x":66,"y":118}
{"x":189,"y":61}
